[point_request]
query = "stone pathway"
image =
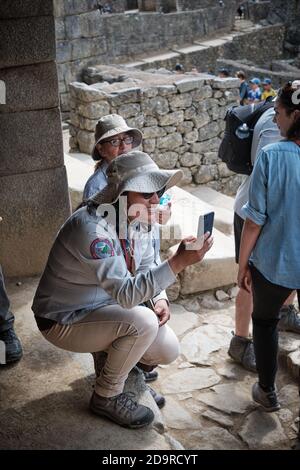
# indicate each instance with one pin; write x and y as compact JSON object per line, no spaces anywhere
{"x":44,"y":398}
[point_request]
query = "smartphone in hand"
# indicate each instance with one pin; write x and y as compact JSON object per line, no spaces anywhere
{"x":205,"y":224}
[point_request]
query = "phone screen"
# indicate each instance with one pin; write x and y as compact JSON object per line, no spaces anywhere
{"x":205,"y":224}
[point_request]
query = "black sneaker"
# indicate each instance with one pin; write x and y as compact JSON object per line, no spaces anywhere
{"x":268,"y":400}
{"x":13,"y":348}
{"x":158,"y":398}
{"x":122,"y":409}
{"x":289,"y":319}
{"x":241,"y":350}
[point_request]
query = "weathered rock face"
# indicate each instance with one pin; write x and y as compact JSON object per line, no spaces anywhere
{"x":181,"y":121}
{"x":34,"y":199}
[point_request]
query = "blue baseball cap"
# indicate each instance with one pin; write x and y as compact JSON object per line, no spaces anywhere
{"x":267,"y":81}
{"x":255,"y":81}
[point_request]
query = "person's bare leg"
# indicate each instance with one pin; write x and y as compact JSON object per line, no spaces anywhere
{"x":241,"y":348}
{"x":243,"y":312}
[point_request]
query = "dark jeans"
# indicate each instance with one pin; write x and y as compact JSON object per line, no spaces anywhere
{"x":268,"y":298}
{"x":6,"y":317}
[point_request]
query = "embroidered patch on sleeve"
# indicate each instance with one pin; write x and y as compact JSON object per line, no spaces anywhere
{"x":102,"y":248}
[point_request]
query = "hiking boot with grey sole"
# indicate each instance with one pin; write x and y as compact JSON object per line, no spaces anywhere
{"x":122,"y":409}
{"x":268,"y":400}
{"x":158,"y":398}
{"x":241,"y":350}
{"x":289,"y":319}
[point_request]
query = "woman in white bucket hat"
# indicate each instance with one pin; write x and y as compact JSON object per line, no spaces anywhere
{"x":113,"y":137}
{"x":90,"y":297}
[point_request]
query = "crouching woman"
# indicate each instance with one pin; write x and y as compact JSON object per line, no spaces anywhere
{"x":98,"y":276}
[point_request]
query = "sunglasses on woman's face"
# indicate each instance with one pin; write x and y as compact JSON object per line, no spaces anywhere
{"x":149,"y":195}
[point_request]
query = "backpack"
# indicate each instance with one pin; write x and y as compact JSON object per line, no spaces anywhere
{"x":235,"y":148}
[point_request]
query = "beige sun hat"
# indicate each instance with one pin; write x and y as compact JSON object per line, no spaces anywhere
{"x":110,"y":126}
{"x":134,"y":171}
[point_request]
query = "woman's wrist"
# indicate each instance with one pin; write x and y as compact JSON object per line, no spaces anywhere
{"x":176,"y":264}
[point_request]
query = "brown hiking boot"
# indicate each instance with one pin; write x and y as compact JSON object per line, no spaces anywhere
{"x":122,"y":409}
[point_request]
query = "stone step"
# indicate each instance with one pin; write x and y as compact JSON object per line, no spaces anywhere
{"x":223,"y":206}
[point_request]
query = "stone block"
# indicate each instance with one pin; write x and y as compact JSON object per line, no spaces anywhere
{"x":169,"y":142}
{"x":190,"y":159}
{"x":156,"y":106}
{"x":209,"y":131}
{"x":137,"y":121}
{"x":165,"y":90}
{"x":166,"y":160}
{"x":87,"y":47}
{"x":223,"y":83}
{"x":86,"y":93}
{"x":171,"y":118}
{"x":206,"y":146}
{"x":206,"y":173}
{"x":30,"y":141}
{"x":75,"y":7}
{"x":86,"y":25}
{"x":27,"y":41}
{"x":149,"y":145}
{"x":153,"y":132}
{"x":188,"y":84}
{"x":191,"y":137}
{"x":181,"y":101}
{"x":126,"y":95}
{"x":185,"y":127}
{"x":60,"y":31}
{"x":63,"y":51}
{"x":94,"y":110}
{"x":129,"y":110}
{"x":25,"y":8}
{"x":33,"y":209}
{"x":31,"y":87}
{"x":202,"y":93}
{"x":86,"y":141}
{"x":201,"y":119}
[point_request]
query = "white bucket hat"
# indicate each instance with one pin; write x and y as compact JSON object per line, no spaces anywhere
{"x":110,"y":126}
{"x":134,"y":171}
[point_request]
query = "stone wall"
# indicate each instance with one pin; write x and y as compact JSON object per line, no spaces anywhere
{"x":182,"y":120}
{"x":183,"y":5}
{"x":34,"y":199}
{"x":258,"y":11}
{"x":279,"y":78}
{"x":84,"y":37}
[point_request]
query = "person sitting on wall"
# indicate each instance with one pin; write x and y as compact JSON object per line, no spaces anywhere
{"x":99,"y":274}
{"x":223,"y":73}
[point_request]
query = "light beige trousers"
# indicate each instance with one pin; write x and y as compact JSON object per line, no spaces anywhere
{"x":127,"y":335}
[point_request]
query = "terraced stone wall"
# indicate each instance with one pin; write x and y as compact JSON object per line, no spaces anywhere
{"x":182,"y":120}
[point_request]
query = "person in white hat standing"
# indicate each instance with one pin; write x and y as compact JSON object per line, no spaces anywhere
{"x":100,"y":272}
